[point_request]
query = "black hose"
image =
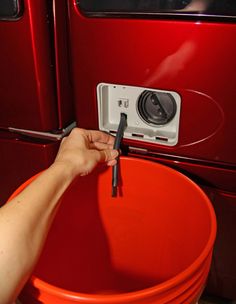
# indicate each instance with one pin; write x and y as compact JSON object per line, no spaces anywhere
{"x":119,"y":136}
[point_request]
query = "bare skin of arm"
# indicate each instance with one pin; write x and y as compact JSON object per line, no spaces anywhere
{"x":26,"y":220}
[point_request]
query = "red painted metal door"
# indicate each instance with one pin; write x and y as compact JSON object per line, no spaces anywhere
{"x":21,"y":159}
{"x":195,"y":58}
{"x":35,"y":88}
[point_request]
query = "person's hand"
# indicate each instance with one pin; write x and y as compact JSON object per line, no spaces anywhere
{"x":32,"y":211}
{"x":83,"y":149}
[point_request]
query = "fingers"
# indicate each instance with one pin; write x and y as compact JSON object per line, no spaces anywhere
{"x":108,"y":156}
{"x":97,"y":136}
{"x":112,"y":162}
{"x":84,"y":149}
{"x":101,"y":137}
{"x":100,"y":146}
{"x":103,"y":144}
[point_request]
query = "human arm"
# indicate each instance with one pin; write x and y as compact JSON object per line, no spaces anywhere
{"x":26,"y":220}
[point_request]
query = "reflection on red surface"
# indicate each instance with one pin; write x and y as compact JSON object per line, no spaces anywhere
{"x":27,"y":83}
{"x":182,"y":56}
{"x":30,"y":97}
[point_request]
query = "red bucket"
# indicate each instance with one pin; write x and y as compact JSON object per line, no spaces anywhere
{"x":152,"y":244}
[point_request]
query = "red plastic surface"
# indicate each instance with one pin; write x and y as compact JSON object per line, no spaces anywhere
{"x":184,"y":56}
{"x":28,"y":91}
{"x":136,"y":248}
{"x":21,"y":159}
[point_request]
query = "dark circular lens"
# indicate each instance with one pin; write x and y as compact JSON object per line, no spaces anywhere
{"x":156,"y":108}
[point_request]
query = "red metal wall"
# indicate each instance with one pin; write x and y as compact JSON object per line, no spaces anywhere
{"x":195,"y":59}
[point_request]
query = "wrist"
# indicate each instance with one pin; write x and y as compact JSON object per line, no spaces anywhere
{"x":63,"y":170}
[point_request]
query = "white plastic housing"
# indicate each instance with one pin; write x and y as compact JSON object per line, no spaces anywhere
{"x":114,"y":99}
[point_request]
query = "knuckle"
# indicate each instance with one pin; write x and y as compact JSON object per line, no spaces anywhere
{"x":78,"y":131}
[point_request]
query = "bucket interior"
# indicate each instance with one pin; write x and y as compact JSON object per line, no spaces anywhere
{"x":154,"y":230}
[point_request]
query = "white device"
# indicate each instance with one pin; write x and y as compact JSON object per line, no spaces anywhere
{"x":152,"y":115}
